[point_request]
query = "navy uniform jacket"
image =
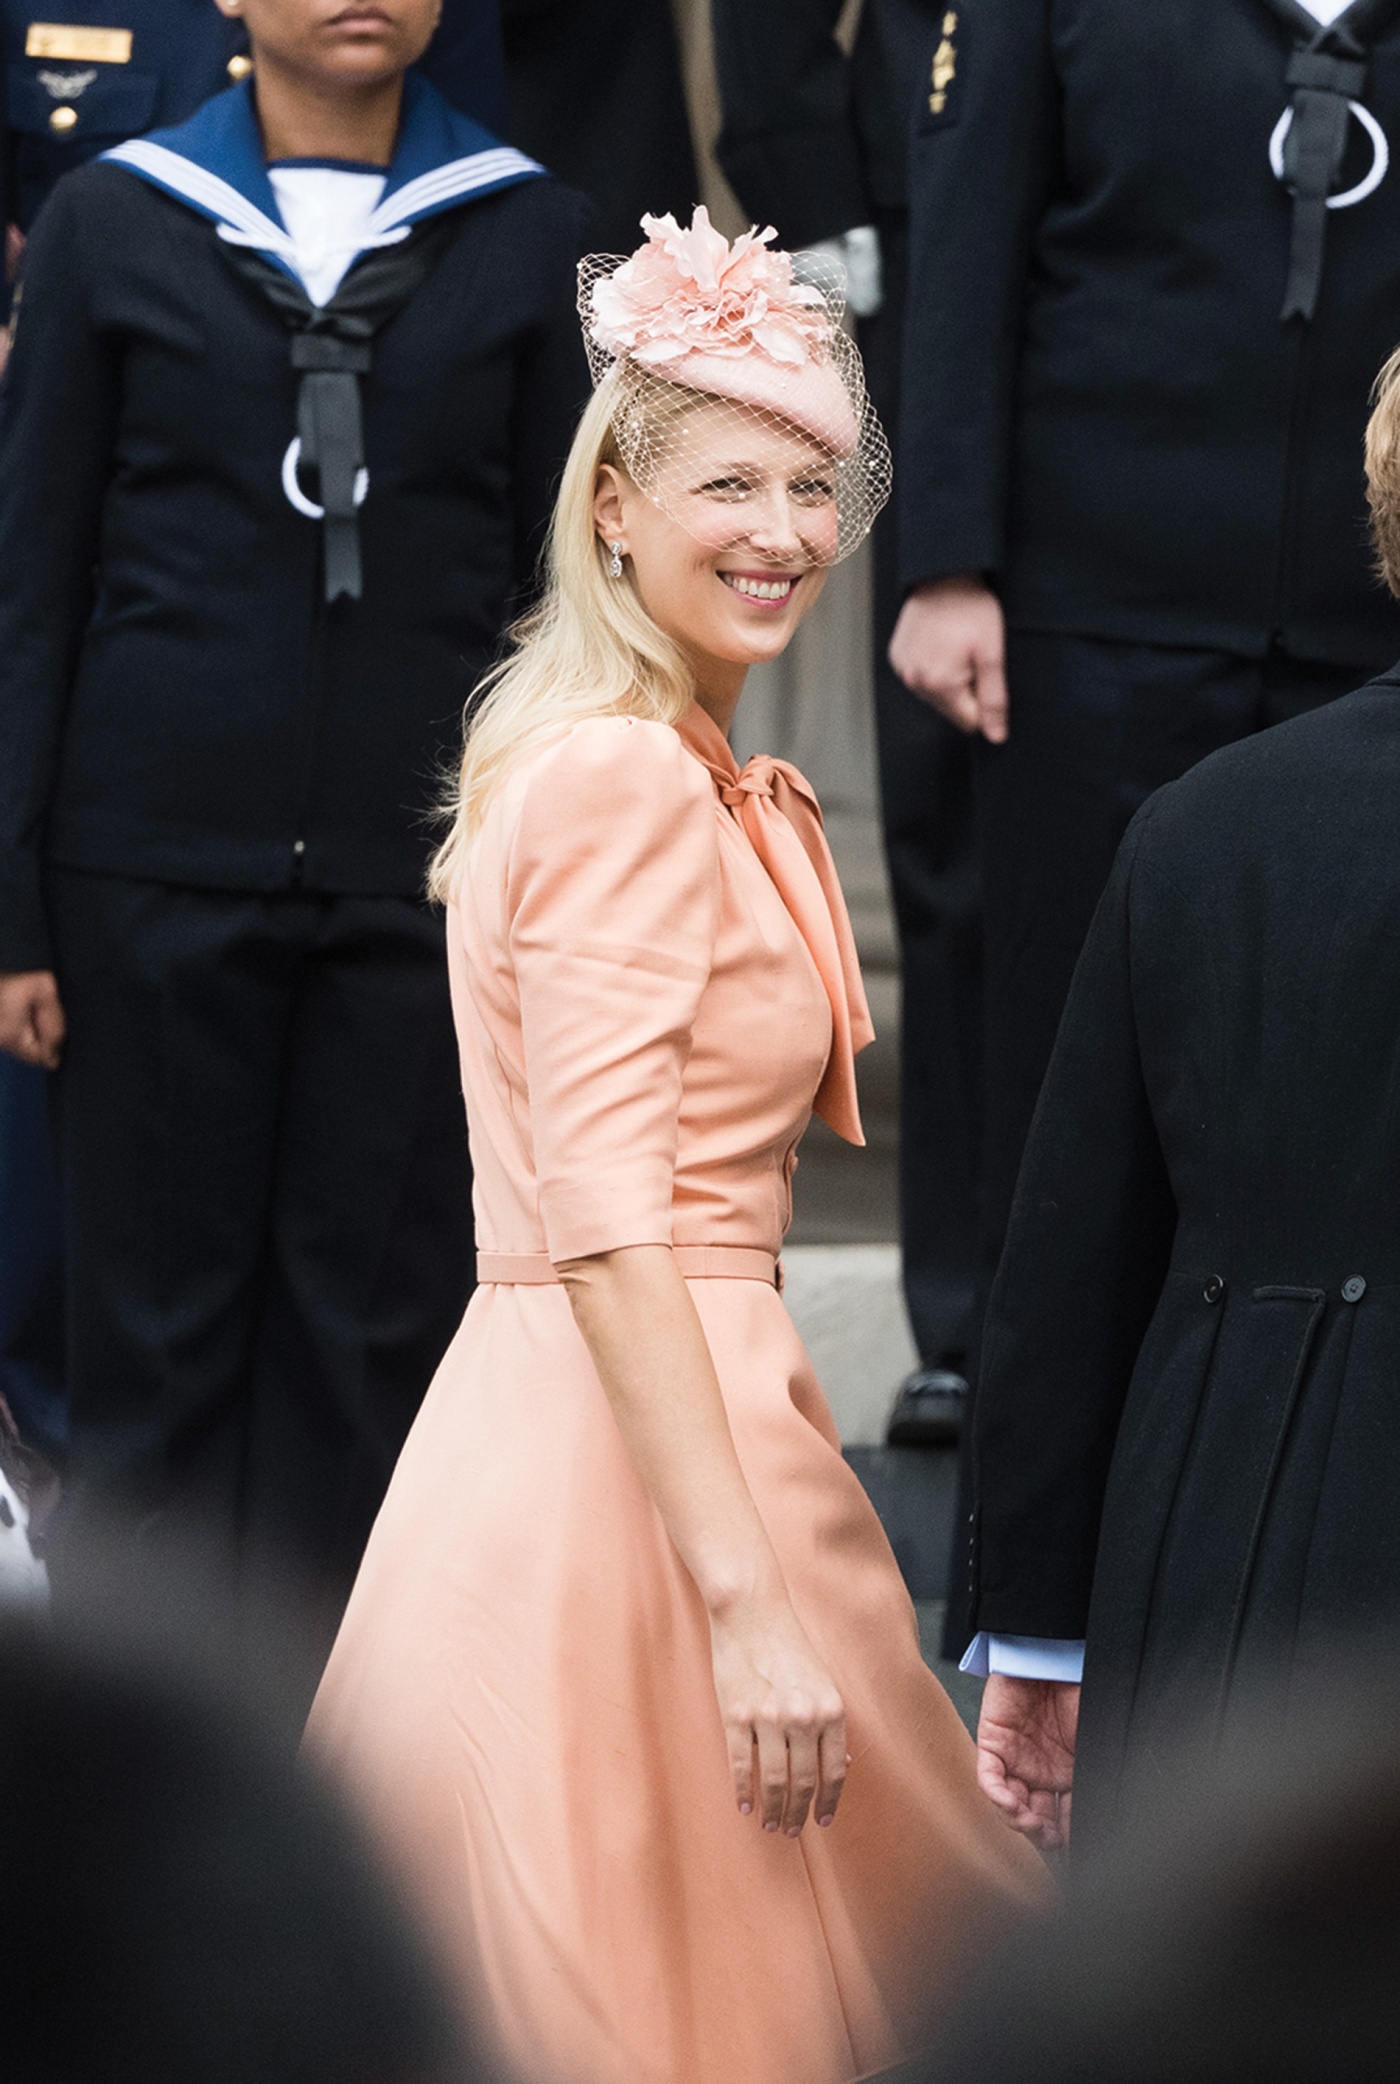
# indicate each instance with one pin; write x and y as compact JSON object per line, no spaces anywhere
{"x":79,"y":75}
{"x":1102,"y":406}
{"x":177,"y":701}
{"x":815,"y":141}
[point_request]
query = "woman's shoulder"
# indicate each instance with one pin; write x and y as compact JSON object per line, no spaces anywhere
{"x":617,"y":760}
{"x":607,"y":784}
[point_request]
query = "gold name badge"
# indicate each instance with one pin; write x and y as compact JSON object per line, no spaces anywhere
{"x":88,"y":46}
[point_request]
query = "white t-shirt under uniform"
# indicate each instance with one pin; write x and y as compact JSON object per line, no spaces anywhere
{"x":326,"y":206}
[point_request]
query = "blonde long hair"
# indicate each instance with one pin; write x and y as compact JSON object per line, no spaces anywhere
{"x":1383,"y":471}
{"x":588,"y":648}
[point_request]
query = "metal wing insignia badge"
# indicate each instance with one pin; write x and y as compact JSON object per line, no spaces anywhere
{"x":66,"y":86}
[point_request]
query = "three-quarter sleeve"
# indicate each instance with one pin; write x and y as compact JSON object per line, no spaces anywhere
{"x":613,"y":907}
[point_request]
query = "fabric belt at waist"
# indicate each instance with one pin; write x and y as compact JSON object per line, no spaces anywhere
{"x":696,"y":1262}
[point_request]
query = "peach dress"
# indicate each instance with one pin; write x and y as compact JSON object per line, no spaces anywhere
{"x":654,"y":980}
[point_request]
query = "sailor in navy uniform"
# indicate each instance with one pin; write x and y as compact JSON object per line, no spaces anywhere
{"x":72,"y":84}
{"x":277,"y":448}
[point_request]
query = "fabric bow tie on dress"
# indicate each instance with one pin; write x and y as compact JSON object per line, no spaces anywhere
{"x":783,"y":822}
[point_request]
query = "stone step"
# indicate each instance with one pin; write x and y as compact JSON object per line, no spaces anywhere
{"x":846,"y":1302}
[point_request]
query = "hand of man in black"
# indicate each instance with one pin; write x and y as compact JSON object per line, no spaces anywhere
{"x":31,"y":1017}
{"x":949,"y":647}
{"x":1025,"y":1754}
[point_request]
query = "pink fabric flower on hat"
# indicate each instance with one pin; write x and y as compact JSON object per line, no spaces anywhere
{"x":689,"y":292}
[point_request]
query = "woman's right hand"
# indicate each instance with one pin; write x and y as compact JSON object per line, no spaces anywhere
{"x":784,"y":1721}
{"x":32,"y":1025}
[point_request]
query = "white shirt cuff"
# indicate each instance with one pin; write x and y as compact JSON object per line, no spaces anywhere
{"x":1025,"y":1657}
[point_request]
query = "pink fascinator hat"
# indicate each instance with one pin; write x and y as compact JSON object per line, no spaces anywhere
{"x":737,"y":322}
{"x":732,"y":321}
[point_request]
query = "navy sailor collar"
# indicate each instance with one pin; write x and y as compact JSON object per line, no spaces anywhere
{"x":215,"y":164}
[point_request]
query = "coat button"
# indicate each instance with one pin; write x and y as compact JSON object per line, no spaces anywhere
{"x":62,"y":119}
{"x":1213,"y":1289}
{"x":240,"y":66}
{"x":1354,"y":1289}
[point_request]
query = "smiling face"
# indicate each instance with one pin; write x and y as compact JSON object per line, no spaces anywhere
{"x":338,"y":43}
{"x":729,"y":546}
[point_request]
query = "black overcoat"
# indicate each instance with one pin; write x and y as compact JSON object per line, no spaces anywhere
{"x":1187,"y":1442}
{"x":1102,"y":407}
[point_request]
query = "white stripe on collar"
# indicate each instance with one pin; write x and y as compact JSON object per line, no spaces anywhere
{"x":242,"y":223}
{"x":207,"y":191}
{"x":456,"y":177}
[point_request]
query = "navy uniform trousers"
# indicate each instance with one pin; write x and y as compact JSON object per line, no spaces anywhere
{"x":270,"y":1085}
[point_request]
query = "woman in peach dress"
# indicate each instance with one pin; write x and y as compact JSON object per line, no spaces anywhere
{"x":628,"y":1629}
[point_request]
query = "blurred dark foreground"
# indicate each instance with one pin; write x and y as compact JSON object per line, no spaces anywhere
{"x":181,"y":1902}
{"x":1244,"y":1930}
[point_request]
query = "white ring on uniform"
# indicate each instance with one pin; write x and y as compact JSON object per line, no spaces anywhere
{"x":1379,"y":163}
{"x":298,"y":498}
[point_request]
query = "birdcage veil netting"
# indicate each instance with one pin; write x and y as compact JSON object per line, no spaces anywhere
{"x":738,"y":395}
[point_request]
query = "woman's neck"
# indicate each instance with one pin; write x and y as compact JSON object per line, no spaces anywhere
{"x":718,"y":694}
{"x":299,"y":122}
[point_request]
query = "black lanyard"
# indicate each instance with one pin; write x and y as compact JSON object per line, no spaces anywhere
{"x":331,"y":349}
{"x":1326,"y":71}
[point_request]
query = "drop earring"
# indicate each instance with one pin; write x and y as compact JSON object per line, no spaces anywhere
{"x":615,"y":561}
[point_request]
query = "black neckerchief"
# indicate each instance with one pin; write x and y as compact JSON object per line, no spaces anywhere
{"x":1326,"y":70}
{"x":331,"y":347}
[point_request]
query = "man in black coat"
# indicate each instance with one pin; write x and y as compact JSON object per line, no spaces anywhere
{"x":815,"y":141}
{"x":1185,"y":1446}
{"x":1155,"y":264}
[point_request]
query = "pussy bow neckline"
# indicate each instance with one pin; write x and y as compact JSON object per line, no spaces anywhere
{"x":778,"y":811}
